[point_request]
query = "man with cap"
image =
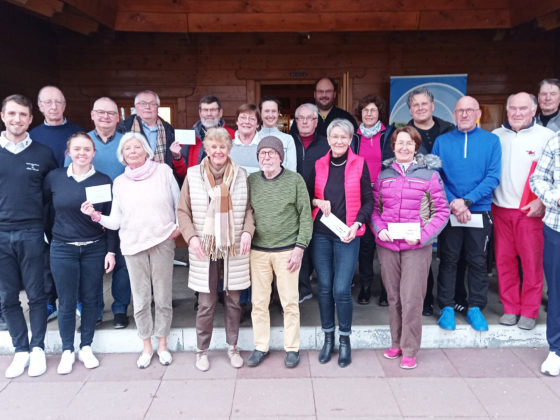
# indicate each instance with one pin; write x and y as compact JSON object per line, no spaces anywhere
{"x":283,"y":228}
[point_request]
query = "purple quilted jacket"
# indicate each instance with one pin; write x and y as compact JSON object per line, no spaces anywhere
{"x":414,"y":196}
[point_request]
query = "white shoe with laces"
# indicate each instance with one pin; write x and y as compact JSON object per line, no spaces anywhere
{"x":18,"y":365}
{"x":66,"y":362}
{"x":551,"y":366}
{"x":87,"y":357}
{"x":37,"y":362}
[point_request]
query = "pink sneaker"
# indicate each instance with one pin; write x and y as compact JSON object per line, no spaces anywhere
{"x":408,"y":362}
{"x":392,"y":353}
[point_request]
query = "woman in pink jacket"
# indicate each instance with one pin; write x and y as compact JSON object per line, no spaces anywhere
{"x":408,"y":190}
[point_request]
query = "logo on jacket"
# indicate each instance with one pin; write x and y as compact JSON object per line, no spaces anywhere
{"x":32,"y":166}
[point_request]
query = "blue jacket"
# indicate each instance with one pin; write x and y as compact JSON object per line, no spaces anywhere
{"x":471,"y":163}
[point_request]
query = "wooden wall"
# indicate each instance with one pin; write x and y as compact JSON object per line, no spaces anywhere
{"x":182,"y":68}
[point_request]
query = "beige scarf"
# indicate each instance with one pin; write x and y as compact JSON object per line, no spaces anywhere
{"x":218,"y":235}
{"x":161,"y":144}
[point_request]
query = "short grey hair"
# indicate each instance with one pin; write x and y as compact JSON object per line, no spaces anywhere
{"x":309,"y":106}
{"x":147,"y":92}
{"x":554,"y":82}
{"x":533,"y":100}
{"x":138,"y":136}
{"x":423,"y":90}
{"x":343,"y":124}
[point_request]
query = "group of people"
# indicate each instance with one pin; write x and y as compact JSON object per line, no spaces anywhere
{"x":256,"y":204}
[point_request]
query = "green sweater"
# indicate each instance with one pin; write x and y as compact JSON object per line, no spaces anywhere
{"x":282,"y":211}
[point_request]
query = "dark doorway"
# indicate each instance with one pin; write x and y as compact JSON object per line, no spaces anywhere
{"x":290,"y":97}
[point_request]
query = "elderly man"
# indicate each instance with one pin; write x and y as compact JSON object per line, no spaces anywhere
{"x":310,"y":146}
{"x":54,"y":132}
{"x":210,"y":112}
{"x":160,"y":134}
{"x":549,"y":102}
{"x":545,"y":182}
{"x":283,"y":228}
{"x":470,"y":171}
{"x":325,"y":95}
{"x":270,"y":111}
{"x":518,"y":225}
{"x":105,"y":117}
{"x":24,"y":164}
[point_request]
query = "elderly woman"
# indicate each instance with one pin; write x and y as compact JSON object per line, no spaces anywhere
{"x":409,"y":190}
{"x":79,"y":248}
{"x":370,"y":144}
{"x":216,"y":221}
{"x":340,"y":186}
{"x":244,"y":149}
{"x":144,"y":205}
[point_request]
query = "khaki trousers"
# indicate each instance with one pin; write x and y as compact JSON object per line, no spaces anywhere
{"x":263,"y":266}
{"x":152,"y":269}
{"x":207,"y":305}
{"x":405,"y":276}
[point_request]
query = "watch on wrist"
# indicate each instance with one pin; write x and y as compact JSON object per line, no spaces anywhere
{"x":468,"y":202}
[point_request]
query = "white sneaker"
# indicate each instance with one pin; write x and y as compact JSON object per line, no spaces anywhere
{"x":202,"y":362}
{"x":144,"y":360}
{"x":37,"y":362}
{"x":66,"y":362}
{"x":86,"y":356}
{"x":551,"y":366}
{"x":18,"y":365}
{"x":234,"y":357}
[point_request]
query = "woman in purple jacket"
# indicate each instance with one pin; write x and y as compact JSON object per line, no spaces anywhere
{"x":408,"y":190}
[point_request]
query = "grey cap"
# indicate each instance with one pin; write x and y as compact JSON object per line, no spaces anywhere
{"x":271,"y":142}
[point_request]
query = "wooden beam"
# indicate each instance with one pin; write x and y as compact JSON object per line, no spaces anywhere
{"x":151,"y":22}
{"x":550,"y":21}
{"x":45,"y":8}
{"x":102,"y":11}
{"x":76,"y":23}
{"x":458,"y":19}
{"x":521,"y":12}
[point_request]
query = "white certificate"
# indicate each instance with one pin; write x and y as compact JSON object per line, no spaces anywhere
{"x":185,"y":136}
{"x":404,"y":230}
{"x":475,"y":222}
{"x":336,"y":225}
{"x":99,"y":193}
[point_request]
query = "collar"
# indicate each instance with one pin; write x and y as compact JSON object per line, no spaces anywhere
{"x":255,"y":140}
{"x":13,"y":147}
{"x":79,"y":178}
{"x":109,"y":139}
{"x":508,"y":126}
{"x":147,"y":127}
{"x":50,"y":125}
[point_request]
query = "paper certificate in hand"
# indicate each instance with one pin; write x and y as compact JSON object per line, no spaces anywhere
{"x":404,"y":230}
{"x":185,"y":136}
{"x":98,"y":194}
{"x":475,"y":222}
{"x":336,"y":225}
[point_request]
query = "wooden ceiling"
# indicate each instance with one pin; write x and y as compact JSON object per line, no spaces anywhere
{"x":236,"y":16}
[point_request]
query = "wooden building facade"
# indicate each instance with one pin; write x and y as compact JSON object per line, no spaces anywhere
{"x":501,"y":54}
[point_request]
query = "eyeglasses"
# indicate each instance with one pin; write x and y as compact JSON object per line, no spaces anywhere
{"x":50,"y":103}
{"x":370,"y":111}
{"x":247,"y":118}
{"x":102,"y":113}
{"x":144,"y":104}
{"x":209,"y":110}
{"x":325,"y":92}
{"x":468,"y":111}
{"x":269,"y":154}
{"x":305,"y":119}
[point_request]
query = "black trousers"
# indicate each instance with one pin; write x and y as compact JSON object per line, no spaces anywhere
{"x":305,"y":272}
{"x":472,"y":243}
{"x":365,"y":261}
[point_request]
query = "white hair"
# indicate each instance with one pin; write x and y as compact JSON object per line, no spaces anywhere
{"x":311,"y":107}
{"x":342,"y":123}
{"x":534,"y":102}
{"x":138,"y":136}
{"x":147,"y":92}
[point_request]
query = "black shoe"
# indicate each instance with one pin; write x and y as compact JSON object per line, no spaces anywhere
{"x":364,"y":295}
{"x":462,"y":308}
{"x":3,"y":324}
{"x":292,"y":359}
{"x":256,"y":358}
{"x":328,"y":347}
{"x":344,"y":351}
{"x":428,"y":310}
{"x":383,"y":300}
{"x":196,"y":301}
{"x":120,"y":321}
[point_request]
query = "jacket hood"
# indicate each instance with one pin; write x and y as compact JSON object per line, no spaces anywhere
{"x":429,"y":161}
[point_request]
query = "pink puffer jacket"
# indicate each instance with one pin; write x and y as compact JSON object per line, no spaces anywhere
{"x":414,"y":196}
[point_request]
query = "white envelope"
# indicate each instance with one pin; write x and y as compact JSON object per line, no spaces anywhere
{"x":185,"y":136}
{"x":99,"y":193}
{"x":475,"y":222}
{"x":404,"y":230}
{"x":336,"y":225}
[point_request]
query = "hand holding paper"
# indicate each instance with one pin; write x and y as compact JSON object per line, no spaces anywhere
{"x":409,"y":231}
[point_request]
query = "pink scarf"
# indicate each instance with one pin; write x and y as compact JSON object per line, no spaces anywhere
{"x":142,"y":172}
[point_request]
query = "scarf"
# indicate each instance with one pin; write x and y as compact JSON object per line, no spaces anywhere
{"x":368,"y":133}
{"x":159,"y":153}
{"x":142,"y":172}
{"x":218,"y":235}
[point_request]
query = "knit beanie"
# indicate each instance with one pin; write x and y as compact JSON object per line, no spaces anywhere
{"x":272,"y":142}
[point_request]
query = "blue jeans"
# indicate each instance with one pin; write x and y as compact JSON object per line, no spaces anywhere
{"x":335,"y":263}
{"x":77,"y":272}
{"x":22,"y":264}
{"x":120,"y":288}
{"x":552,"y":273}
